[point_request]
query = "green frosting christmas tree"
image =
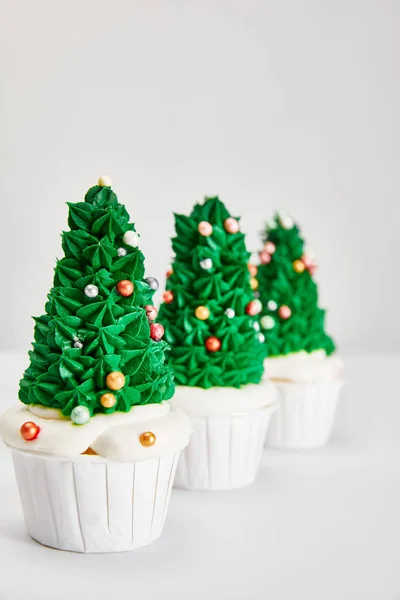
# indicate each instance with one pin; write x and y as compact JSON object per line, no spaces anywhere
{"x":96,"y":348}
{"x":291,"y":318}
{"x":209,"y":311}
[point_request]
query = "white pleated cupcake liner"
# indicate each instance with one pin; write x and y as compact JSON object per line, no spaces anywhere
{"x":91,"y":504}
{"x":305,"y":415}
{"x":224,"y":452}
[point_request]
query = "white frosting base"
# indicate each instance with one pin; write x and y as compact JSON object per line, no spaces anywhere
{"x":304,"y":367}
{"x":46,"y":412}
{"x":122,"y":443}
{"x":223,"y":401}
{"x":114,"y":436}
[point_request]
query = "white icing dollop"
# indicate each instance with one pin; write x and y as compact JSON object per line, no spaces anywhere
{"x":113,"y":435}
{"x":47,"y":412}
{"x":123,"y":442}
{"x":305,"y":367}
{"x":223,"y":401}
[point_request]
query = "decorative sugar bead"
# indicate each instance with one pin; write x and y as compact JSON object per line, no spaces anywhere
{"x":80,"y":415}
{"x":131,"y":238}
{"x":105,"y":181}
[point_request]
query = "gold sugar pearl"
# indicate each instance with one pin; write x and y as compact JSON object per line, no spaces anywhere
{"x":202,"y":313}
{"x":108,"y":400}
{"x":253,"y":283}
{"x":147,"y":439}
{"x":115,"y":380}
{"x":298,"y":266}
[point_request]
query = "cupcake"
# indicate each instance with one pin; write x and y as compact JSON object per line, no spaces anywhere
{"x":301,"y":357}
{"x":94,"y":442}
{"x":216,"y":350}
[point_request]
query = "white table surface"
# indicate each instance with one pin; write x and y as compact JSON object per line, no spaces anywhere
{"x":317,"y":525}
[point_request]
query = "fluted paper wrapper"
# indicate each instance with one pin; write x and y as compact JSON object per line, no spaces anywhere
{"x":224,"y":452}
{"x":305,"y":415}
{"x":91,"y":504}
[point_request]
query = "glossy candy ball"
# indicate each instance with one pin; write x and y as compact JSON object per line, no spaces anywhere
{"x":253,"y":283}
{"x":147,"y":439}
{"x":108,"y":400}
{"x":212,"y":344}
{"x":105,"y":181}
{"x":202,"y":313}
{"x":270,"y":247}
{"x":168,"y":297}
{"x":256,"y":326}
{"x":252,"y":269}
{"x":261,"y":338}
{"x":131,"y":238}
{"x":267,"y":322}
{"x":284,"y":312}
{"x":152,"y":282}
{"x":156,"y":331}
{"x":205,"y":228}
{"x":231,"y":225}
{"x":151,"y":312}
{"x":206,"y":264}
{"x":91,"y":291}
{"x":122,"y":252}
{"x":298,"y":266}
{"x":254,"y":307}
{"x":230,"y":313}
{"x":125,"y":288}
{"x":80,"y":415}
{"x":272,"y":305}
{"x":286,"y":221}
{"x":29,"y":431}
{"x":115,"y":380}
{"x":265,"y":257}
{"x":307,"y":261}
{"x":169,"y":273}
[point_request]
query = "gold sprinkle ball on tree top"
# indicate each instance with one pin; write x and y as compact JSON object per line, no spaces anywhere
{"x":115,"y":380}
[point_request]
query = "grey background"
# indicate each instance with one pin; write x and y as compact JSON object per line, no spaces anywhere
{"x":269,"y":104}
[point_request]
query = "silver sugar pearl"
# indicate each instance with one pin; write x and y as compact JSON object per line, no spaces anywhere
{"x":152,"y":282}
{"x":91,"y":291}
{"x":285,"y":220}
{"x":230,"y":313}
{"x":256,"y":326}
{"x":267,"y":322}
{"x":77,"y":344}
{"x":272,"y":305}
{"x":206,"y":263}
{"x":261,"y":338}
{"x":80,"y":415}
{"x":256,"y":294}
{"x":122,"y":251}
{"x":287,"y":223}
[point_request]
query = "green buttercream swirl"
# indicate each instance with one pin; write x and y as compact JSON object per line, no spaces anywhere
{"x":280,"y":283}
{"x":114,"y":330}
{"x":226,"y":285}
